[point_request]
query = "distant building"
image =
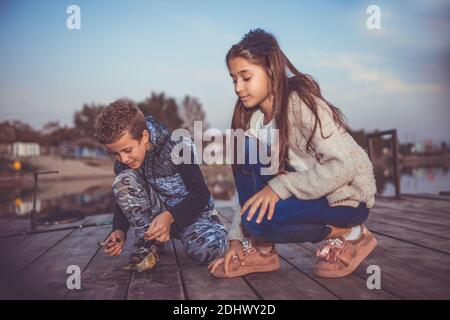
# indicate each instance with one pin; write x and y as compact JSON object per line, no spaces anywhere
{"x":25,"y":149}
{"x":5,"y":149}
{"x":22,"y":208}
{"x":82,"y":148}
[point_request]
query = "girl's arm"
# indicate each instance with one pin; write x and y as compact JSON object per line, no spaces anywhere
{"x":334,"y":165}
{"x":235,"y":232}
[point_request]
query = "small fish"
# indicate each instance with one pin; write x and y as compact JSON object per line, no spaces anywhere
{"x":146,"y":264}
{"x":105,"y":243}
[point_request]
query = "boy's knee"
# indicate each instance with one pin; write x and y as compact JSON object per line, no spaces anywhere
{"x":126,"y":180}
{"x":203,"y":245}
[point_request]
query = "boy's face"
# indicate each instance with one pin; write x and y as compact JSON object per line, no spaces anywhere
{"x":129,"y":151}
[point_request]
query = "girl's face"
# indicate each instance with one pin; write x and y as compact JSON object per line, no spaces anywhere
{"x":251,"y":82}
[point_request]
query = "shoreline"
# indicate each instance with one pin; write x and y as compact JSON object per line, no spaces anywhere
{"x":92,"y":168}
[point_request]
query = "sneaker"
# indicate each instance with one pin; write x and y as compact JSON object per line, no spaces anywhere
{"x":339,"y":257}
{"x":145,"y":256}
{"x":254,"y":261}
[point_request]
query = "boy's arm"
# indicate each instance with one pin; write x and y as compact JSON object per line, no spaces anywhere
{"x":185,"y":212}
{"x":120,"y":222}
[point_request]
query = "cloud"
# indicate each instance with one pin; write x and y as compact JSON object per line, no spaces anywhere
{"x":359,"y":71}
{"x":416,"y":25}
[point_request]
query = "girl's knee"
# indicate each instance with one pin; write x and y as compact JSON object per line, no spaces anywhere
{"x":360,"y":218}
{"x":255,"y":230}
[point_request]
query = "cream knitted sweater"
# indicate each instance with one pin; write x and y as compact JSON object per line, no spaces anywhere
{"x":339,"y":168}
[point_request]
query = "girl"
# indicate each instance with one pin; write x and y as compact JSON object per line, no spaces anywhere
{"x":324,"y":186}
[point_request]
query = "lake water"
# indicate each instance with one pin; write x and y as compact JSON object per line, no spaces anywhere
{"x":414,"y":180}
{"x":85,"y":197}
{"x":81,"y":197}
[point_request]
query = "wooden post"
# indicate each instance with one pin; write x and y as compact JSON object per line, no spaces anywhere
{"x":33,"y":212}
{"x":396,"y":167}
{"x":393,"y":134}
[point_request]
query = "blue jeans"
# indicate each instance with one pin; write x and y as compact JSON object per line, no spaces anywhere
{"x":294,"y":220}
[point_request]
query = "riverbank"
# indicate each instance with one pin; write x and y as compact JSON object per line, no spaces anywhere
{"x":419,"y":161}
{"x":219,"y":178}
{"x":69,"y":169}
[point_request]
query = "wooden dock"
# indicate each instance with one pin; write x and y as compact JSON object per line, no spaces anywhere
{"x":413,"y":256}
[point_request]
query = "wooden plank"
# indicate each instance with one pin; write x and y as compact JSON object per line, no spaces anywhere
{"x":287,"y":283}
{"x":440,"y":231}
{"x":46,"y":277}
{"x":161,"y":283}
{"x":17,"y":253}
{"x":407,"y":271}
{"x":431,"y":196}
{"x":200,"y":285}
{"x":410,"y":271}
{"x":334,"y":285}
{"x":21,"y":250}
{"x":428,"y":218}
{"x":350,"y":287}
{"x":410,"y":234}
{"x":414,"y":204}
{"x":104,"y":277}
{"x":418,"y":267}
{"x":11,"y":226}
{"x":431,"y":207}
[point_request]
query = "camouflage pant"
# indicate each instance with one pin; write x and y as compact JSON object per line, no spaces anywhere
{"x":204,"y":240}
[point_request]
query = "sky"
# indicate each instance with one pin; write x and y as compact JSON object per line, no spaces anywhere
{"x":396,"y":77}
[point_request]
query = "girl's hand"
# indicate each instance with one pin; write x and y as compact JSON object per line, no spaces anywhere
{"x":235,"y":250}
{"x":115,"y":243}
{"x":266,"y":199}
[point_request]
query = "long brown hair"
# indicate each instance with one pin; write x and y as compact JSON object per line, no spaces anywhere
{"x":261,"y":48}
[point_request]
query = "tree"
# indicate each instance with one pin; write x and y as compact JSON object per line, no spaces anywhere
{"x":7,"y":132}
{"x":162,"y":108}
{"x":50,"y":127}
{"x":12,"y":131}
{"x":192,"y":110}
{"x":84,"y":120}
{"x":53,"y":134}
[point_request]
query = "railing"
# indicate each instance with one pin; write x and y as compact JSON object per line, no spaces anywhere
{"x":33,"y":212}
{"x":393,"y":134}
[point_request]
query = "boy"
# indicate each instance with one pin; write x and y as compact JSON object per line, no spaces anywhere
{"x":156,"y":197}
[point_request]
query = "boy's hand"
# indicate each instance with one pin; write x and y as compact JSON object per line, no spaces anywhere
{"x":159,"y":229}
{"x":235,"y":251}
{"x":115,"y":243}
